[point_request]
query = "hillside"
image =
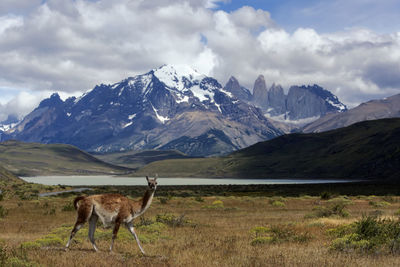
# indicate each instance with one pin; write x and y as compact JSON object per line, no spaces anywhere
{"x":372,"y":110}
{"x":366,"y":150}
{"x":30,"y":159}
{"x":137,"y":159}
{"x":7,"y":176}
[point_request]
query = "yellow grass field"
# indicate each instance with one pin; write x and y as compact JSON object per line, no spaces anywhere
{"x":193,"y":231}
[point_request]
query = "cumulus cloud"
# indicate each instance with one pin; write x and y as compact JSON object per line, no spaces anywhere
{"x":71,"y":45}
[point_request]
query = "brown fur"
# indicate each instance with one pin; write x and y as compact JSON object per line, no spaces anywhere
{"x":111,"y":209}
{"x":76,"y":200}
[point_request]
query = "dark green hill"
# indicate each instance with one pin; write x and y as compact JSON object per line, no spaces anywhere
{"x":366,"y":150}
{"x":135,"y":159}
{"x":31,"y":159}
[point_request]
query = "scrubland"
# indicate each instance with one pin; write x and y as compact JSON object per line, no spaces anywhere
{"x":205,"y":230}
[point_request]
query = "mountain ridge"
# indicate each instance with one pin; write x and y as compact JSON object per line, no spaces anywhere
{"x":375,"y":109}
{"x":144,"y":112}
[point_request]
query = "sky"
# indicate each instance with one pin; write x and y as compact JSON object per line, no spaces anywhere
{"x":351,"y":48}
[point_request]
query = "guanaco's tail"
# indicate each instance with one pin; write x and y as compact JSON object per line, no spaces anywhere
{"x":76,"y":200}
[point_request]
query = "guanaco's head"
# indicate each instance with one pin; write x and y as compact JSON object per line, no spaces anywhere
{"x":152,"y":182}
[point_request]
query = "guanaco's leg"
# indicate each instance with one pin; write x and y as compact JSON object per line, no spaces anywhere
{"x":132,"y":230}
{"x":84,"y":211}
{"x":92,"y":228}
{"x":114,"y":234}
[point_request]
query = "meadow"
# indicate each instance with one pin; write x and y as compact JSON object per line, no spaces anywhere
{"x":195,"y":227}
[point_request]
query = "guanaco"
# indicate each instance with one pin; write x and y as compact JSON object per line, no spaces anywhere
{"x":112,"y":209}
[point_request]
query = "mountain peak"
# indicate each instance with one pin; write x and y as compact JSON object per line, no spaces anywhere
{"x":180,"y":70}
{"x":233,"y":79}
{"x":54,"y":100}
{"x":260,"y":78}
{"x":172,"y":75}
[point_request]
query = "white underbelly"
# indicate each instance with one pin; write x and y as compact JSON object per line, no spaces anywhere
{"x":107,"y":218}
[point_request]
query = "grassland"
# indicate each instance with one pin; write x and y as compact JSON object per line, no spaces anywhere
{"x":31,"y":159}
{"x":195,"y":227}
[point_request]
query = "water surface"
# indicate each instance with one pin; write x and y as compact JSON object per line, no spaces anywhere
{"x":112,"y":180}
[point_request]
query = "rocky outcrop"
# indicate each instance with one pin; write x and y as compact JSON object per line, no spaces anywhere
{"x":260,"y":93}
{"x":237,"y":90}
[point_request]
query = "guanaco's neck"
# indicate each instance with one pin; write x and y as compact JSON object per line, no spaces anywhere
{"x":147,"y":199}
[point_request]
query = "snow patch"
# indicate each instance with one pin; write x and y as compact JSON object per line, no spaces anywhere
{"x":201,"y":94}
{"x":128,"y":124}
{"x":130,"y":117}
{"x":340,"y":106}
{"x":182,"y":99}
{"x":283,"y":118}
{"x":159,"y":117}
{"x":6,"y":127}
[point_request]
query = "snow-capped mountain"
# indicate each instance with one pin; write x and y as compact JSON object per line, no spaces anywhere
{"x":172,"y":107}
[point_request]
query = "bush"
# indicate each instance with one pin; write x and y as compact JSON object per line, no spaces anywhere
{"x":326,"y":195}
{"x":397,"y":213}
{"x":260,"y":230}
{"x":199,"y":199}
{"x":3,"y":212}
{"x":163,"y":200}
{"x":261,"y":240}
{"x":379,"y":204}
{"x":369,"y":234}
{"x":172,"y":220}
{"x":277,"y":203}
{"x":68,"y":207}
{"x":217,"y":204}
{"x":337,"y":208}
{"x":277,"y":234}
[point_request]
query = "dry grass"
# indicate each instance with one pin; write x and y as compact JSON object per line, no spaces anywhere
{"x":211,"y":235}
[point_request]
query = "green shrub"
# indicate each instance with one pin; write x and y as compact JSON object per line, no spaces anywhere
{"x":17,"y":262}
{"x":277,"y":234}
{"x":199,"y":199}
{"x":3,"y":212}
{"x":144,"y":221}
{"x":261,"y":240}
{"x":277,"y":203}
{"x":163,"y":200}
{"x":326,"y":195}
{"x":172,"y":220}
{"x":68,"y":207}
{"x":369,"y":234}
{"x":379,"y":204}
{"x":260,"y":230}
{"x":217,"y":204}
{"x":397,"y":213}
{"x":337,"y":209}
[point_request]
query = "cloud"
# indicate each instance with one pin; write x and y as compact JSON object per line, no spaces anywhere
{"x":71,"y":45}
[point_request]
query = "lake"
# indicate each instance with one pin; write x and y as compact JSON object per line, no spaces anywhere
{"x":112,"y":180}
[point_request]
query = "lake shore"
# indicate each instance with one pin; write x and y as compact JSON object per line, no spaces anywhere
{"x":290,"y":190}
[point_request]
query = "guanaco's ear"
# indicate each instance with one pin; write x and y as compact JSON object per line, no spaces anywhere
{"x":155,"y":178}
{"x":147,"y":178}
